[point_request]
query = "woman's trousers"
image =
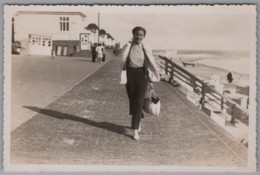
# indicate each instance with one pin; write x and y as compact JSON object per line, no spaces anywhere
{"x":136,"y":89}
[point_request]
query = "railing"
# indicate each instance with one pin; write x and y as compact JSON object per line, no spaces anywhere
{"x":208,"y":95}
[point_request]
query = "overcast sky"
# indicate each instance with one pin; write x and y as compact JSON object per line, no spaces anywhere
{"x":183,"y":31}
{"x":174,"y":27}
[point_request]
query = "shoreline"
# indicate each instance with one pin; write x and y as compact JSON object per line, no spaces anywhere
{"x":222,"y":69}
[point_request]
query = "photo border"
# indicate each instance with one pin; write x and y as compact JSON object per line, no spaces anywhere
{"x":141,"y":2}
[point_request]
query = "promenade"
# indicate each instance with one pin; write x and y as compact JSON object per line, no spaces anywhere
{"x":90,"y":125}
{"x":39,"y":80}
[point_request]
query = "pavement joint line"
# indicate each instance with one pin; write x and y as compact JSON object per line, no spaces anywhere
{"x":215,"y":134}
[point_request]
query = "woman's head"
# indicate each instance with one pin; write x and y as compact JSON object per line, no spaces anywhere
{"x":138,"y":34}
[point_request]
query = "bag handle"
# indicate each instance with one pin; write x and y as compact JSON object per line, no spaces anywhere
{"x":151,"y":89}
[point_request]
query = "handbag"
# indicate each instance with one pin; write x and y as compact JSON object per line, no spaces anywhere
{"x":152,"y":103}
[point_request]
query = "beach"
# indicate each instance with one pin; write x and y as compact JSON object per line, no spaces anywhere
{"x":207,"y":65}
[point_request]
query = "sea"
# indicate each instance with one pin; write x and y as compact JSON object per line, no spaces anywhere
{"x":233,"y":61}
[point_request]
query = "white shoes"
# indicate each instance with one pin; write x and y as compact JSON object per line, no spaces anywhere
{"x":136,"y":135}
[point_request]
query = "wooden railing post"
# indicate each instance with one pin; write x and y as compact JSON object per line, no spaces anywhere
{"x":233,"y":115}
{"x":172,"y":73}
{"x":203,"y":91}
{"x":222,"y":103}
{"x":166,"y":66}
{"x":193,"y":83}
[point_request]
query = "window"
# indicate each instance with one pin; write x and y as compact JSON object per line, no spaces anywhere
{"x":49,"y":42}
{"x":64,"y":24}
{"x":36,"y":41}
{"x":43,"y":42}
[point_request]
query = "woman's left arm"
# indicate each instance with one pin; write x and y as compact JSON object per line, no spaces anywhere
{"x":151,"y":59}
{"x":155,"y":76}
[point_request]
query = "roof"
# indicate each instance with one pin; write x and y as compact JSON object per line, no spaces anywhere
{"x":52,"y":13}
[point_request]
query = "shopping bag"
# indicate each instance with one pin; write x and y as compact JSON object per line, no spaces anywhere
{"x":152,"y":103}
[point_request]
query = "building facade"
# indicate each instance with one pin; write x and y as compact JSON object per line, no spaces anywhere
{"x":47,"y":33}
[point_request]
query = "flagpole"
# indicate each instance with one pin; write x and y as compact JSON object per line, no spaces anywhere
{"x":98,"y":26}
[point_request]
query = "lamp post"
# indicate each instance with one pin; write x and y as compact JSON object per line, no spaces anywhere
{"x":98,"y":26}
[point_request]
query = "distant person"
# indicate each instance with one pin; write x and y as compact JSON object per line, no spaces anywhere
{"x":230,"y":77}
{"x":99,"y":51}
{"x":115,"y":51}
{"x":52,"y":53}
{"x":141,"y":69}
{"x":104,"y":54}
{"x":94,"y":52}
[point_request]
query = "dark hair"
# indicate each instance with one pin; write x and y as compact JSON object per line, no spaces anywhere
{"x":137,"y":29}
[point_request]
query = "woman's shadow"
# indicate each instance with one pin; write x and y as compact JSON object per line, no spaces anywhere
{"x":103,"y":125}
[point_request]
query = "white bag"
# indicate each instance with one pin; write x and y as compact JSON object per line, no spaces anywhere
{"x":152,"y":103}
{"x":123,"y":78}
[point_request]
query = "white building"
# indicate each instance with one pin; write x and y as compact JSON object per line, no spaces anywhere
{"x":93,"y":37}
{"x":40,"y":32}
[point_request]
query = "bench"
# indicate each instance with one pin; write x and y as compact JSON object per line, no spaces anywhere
{"x":188,"y":64}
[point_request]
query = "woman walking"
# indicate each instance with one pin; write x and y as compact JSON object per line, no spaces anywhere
{"x":99,"y":53}
{"x":141,"y":69}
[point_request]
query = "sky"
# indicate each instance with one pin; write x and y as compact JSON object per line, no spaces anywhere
{"x":183,"y":31}
{"x":173,"y":27}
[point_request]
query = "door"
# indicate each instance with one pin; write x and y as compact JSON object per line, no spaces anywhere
{"x":59,"y":49}
{"x":84,"y":41}
{"x":40,"y":45}
{"x":65,"y":48}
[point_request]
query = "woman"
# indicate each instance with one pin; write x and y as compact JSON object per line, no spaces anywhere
{"x":141,"y":69}
{"x":99,"y":53}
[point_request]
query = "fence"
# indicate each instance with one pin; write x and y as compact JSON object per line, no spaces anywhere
{"x":209,"y":97}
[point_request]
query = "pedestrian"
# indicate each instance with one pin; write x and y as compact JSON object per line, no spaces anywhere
{"x":99,"y":53}
{"x":104,"y":55}
{"x":141,"y":69}
{"x":52,"y":54}
{"x":93,"y":52}
{"x":230,"y":77}
{"x":115,"y":52}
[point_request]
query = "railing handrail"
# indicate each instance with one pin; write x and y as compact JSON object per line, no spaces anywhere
{"x":183,"y":70}
{"x":205,"y":84}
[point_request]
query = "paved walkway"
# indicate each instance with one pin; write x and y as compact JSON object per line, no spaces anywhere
{"x":39,"y":80}
{"x":90,"y":125}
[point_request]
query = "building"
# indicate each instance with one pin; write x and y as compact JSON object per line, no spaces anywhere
{"x":44,"y":32}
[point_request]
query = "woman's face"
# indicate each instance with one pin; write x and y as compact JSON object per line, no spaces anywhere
{"x":138,"y":36}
